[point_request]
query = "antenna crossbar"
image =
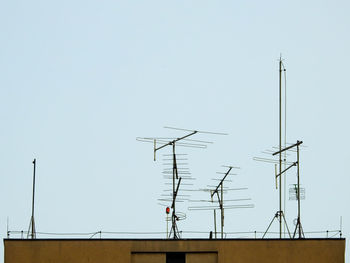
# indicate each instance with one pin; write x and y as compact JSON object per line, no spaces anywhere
{"x":207,"y":132}
{"x":222,"y":180}
{"x":174,"y":141}
{"x":215,"y":207}
{"x":287,"y":148}
{"x":285,"y":170}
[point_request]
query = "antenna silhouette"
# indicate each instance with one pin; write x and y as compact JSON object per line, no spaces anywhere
{"x":175,"y":175}
{"x":219,"y":190}
{"x":280,"y":213}
{"x":221,"y":199}
{"x":31,"y":231}
{"x":298,"y":225}
{"x":173,"y":142}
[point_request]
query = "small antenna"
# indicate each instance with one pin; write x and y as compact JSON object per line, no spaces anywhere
{"x":31,"y":231}
{"x":221,"y":198}
{"x":219,"y":190}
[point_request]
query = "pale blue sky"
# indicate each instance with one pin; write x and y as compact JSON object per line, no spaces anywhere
{"x":80,"y":80}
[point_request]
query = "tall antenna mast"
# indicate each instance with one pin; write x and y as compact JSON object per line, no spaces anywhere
{"x":279,"y":215}
{"x":280,"y":144}
{"x":31,"y":232}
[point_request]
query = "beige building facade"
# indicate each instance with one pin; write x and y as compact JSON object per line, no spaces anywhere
{"x":174,"y":251}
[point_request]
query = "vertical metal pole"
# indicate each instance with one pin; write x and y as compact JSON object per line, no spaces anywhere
{"x":285,"y":153}
{"x":154,"y":149}
{"x":276,"y":176}
{"x":32,"y":219}
{"x":167,"y":225}
{"x":215,"y":222}
{"x":222,"y":210}
{"x":173,"y":214}
{"x":298,"y":223}
{"x":214,"y":213}
{"x":280,"y":143}
{"x":341,"y":225}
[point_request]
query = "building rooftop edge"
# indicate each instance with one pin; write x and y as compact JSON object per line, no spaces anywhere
{"x":170,"y":240}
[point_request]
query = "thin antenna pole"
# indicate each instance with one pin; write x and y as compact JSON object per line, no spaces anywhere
{"x":276,"y":175}
{"x":211,"y":195}
{"x":280,"y":143}
{"x":173,"y":220}
{"x":32,"y":218}
{"x":215,"y":222}
{"x":299,"y":222}
{"x":167,"y":225}
{"x":154,"y":149}
{"x":285,"y":143}
{"x":222,"y":210}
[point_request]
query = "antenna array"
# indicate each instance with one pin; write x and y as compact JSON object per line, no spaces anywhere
{"x":219,"y":191}
{"x":173,"y":173}
{"x":279,"y":214}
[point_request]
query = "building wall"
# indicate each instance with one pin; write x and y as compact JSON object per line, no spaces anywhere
{"x":154,"y":251}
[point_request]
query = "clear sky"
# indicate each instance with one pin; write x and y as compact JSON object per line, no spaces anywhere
{"x":80,"y":80}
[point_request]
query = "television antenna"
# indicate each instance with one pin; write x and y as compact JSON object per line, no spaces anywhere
{"x":184,"y":172}
{"x":298,"y":227}
{"x":221,"y":197}
{"x":280,"y":213}
{"x":173,"y":142}
{"x":219,"y":190}
{"x":31,"y":231}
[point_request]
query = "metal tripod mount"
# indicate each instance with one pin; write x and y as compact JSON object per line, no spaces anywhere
{"x":279,"y":216}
